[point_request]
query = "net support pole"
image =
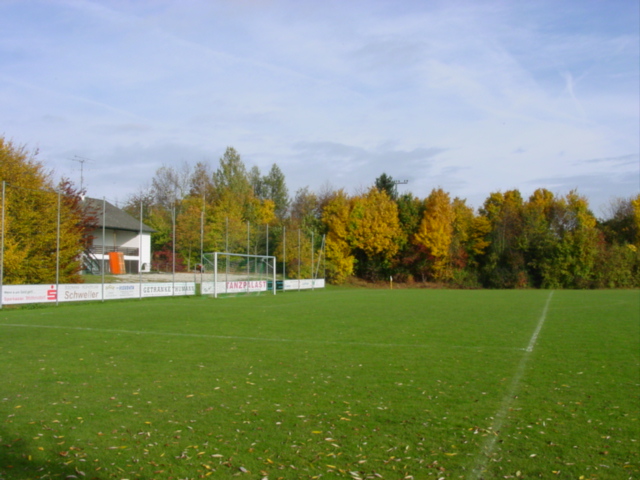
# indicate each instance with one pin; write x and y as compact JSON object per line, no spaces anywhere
{"x":4,"y":184}
{"x":202,"y":243}
{"x":320,"y":257}
{"x":313,"y":278}
{"x":273,"y":282}
{"x":324,"y":257}
{"x":215,"y":275}
{"x":299,"y":259}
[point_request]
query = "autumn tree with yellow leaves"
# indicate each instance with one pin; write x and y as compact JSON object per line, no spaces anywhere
{"x":336,"y":218}
{"x":34,"y":206}
{"x":435,"y":235}
{"x":374,"y":233}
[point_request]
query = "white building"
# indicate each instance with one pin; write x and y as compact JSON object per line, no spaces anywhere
{"x":116,"y":235}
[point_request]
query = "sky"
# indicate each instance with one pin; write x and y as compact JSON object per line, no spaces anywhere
{"x":472,"y":97}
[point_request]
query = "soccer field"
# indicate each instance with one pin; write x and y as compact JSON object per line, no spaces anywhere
{"x":336,"y":383}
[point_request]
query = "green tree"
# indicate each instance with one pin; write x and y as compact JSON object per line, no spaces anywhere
{"x":468,"y":243}
{"x":406,"y":264}
{"x":503,"y":264}
{"x":575,"y":259}
{"x":306,"y":211}
{"x":274,"y":188}
{"x":542,"y":234}
{"x":232,"y":177}
{"x":623,"y":223}
{"x":386,"y":183}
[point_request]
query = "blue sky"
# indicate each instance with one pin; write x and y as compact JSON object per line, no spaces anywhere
{"x":470,"y":96}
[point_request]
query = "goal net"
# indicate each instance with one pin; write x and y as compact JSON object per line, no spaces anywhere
{"x":234,"y":273}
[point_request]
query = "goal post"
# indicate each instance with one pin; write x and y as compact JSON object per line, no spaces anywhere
{"x":237,"y":273}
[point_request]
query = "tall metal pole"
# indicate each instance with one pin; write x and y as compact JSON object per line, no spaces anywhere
{"x":248,"y":238}
{"x":299,"y":259}
{"x":104,"y":221}
{"x":2,"y":245}
{"x":248,"y":253}
{"x":173,"y":252}
{"x":202,"y":244}
{"x":324,"y":258}
{"x":58,"y":253}
{"x":226,"y":249}
{"x":313,"y":277}
{"x":274,"y":262}
{"x":284,"y":254}
{"x":140,"y":254}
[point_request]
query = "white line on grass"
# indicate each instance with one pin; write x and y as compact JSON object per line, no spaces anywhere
{"x":481,"y":461}
{"x":253,"y":339}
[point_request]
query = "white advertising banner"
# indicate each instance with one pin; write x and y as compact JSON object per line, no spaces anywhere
{"x":80,"y":292}
{"x":206,"y":288}
{"x":168,"y":289}
{"x":303,"y":284}
{"x":118,"y":291}
{"x":17,"y":294}
{"x":233,"y":287}
{"x":246,"y":286}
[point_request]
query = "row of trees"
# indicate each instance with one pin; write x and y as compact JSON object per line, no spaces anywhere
{"x":546,"y":240}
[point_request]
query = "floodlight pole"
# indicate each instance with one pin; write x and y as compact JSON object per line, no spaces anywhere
{"x":173,"y":252}
{"x":202,"y":244}
{"x":273,"y":281}
{"x":398,"y":182}
{"x":104,"y":220}
{"x":299,"y":260}
{"x":140,"y":254}
{"x":58,"y":253}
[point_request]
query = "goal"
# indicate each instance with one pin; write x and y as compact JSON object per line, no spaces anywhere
{"x":235,"y":273}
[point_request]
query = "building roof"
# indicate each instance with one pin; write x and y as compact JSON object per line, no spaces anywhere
{"x":114,"y":217}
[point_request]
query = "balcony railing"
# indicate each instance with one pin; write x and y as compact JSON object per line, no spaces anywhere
{"x":128,"y":251}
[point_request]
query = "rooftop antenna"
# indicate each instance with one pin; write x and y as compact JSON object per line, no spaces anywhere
{"x":81,"y":161}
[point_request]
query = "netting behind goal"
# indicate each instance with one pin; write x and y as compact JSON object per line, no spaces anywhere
{"x":233,"y":273}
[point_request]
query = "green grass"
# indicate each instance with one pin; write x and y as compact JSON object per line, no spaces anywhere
{"x":326,"y":384}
